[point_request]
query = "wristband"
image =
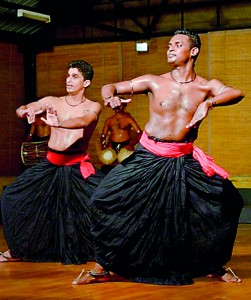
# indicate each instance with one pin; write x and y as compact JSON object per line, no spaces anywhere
{"x":213,"y":103}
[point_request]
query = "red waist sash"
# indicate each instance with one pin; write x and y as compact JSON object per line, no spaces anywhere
{"x":86,"y":166}
{"x":179,"y":149}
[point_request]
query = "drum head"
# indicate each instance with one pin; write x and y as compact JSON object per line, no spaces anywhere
{"x":123,"y":154}
{"x":108,"y":156}
{"x":33,"y":152}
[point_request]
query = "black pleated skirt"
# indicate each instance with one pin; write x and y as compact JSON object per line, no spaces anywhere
{"x":46,"y":214}
{"x":163,"y":220}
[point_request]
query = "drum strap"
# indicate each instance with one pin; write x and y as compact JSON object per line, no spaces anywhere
{"x":86,"y":166}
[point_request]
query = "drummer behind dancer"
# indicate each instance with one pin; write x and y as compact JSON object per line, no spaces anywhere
{"x":39,"y":130}
{"x":46,"y":211}
{"x":120,"y":131}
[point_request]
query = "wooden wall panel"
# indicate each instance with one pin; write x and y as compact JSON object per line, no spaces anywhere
{"x":230,"y":127}
{"x":12,"y":96}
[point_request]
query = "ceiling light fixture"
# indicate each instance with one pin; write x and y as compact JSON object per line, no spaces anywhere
{"x":33,"y":15}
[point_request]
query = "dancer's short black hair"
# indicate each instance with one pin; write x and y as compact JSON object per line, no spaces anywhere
{"x":84,"y":67}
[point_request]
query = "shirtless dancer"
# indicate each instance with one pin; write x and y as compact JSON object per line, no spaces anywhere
{"x":46,"y":211}
{"x":119,"y":128}
{"x":168,"y":214}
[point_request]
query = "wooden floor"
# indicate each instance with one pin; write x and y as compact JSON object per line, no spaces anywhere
{"x":22,"y":280}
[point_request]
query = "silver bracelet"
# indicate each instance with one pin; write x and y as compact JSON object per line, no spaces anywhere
{"x":40,"y":105}
{"x":213,"y":103}
{"x":131,"y":85}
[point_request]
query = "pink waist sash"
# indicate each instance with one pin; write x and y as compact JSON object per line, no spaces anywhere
{"x":86,"y":166}
{"x":179,"y":149}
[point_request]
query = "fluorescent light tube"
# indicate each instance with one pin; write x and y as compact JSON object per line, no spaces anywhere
{"x":33,"y":15}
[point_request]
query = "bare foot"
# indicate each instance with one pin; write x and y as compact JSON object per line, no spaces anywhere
{"x":87,"y":277}
{"x":97,"y":274}
{"x":229,"y":276}
{"x":6,"y":257}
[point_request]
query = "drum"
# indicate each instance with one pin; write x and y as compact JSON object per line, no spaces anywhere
{"x":123,"y":154}
{"x":108,"y":156}
{"x":33,"y":152}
